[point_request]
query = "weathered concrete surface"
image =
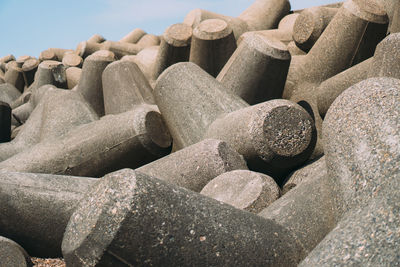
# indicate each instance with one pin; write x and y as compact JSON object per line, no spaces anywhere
{"x":246,"y":190}
{"x":194,"y":166}
{"x":35,"y":209}
{"x":123,"y":220}
{"x":12,"y":254}
{"x":130,"y":139}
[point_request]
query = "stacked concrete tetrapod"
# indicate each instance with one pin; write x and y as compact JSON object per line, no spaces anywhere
{"x":332,"y":53}
{"x":261,"y":15}
{"x":12,"y":254}
{"x":362,"y":157}
{"x":273,"y":136}
{"x":191,"y":168}
{"x":150,"y":222}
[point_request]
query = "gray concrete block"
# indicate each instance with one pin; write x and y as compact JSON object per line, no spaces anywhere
{"x":257,"y":69}
{"x":124,"y":87}
{"x":123,"y":220}
{"x":246,"y":190}
{"x":212,"y":45}
{"x":12,"y":254}
{"x":130,"y":139}
{"x":90,"y":83}
{"x":194,"y":166}
{"x":36,"y":208}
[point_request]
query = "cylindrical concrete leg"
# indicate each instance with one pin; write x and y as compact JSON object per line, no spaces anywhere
{"x":124,"y":221}
{"x":257,"y":69}
{"x":386,"y":61}
{"x":90,"y":83}
{"x":96,"y":38}
{"x":14,"y":76}
{"x":174,"y":47}
{"x":36,"y":208}
{"x":29,"y":69}
{"x":212,"y":45}
{"x":133,"y":37}
{"x":12,"y":254}
{"x":73,"y":76}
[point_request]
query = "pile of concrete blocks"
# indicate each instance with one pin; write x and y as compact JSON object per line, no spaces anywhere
{"x":267,"y":139}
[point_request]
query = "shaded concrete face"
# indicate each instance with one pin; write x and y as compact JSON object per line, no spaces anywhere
{"x":39,"y":224}
{"x":124,"y":86}
{"x":12,"y":254}
{"x":257,"y":69}
{"x":190,"y":228}
{"x":5,"y":122}
{"x":243,"y":189}
{"x":212,"y":45}
{"x":174,"y":47}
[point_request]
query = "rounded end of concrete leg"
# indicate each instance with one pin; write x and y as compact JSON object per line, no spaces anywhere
{"x":243,"y":189}
{"x":307,"y":29}
{"x":369,"y":10}
{"x":12,"y":254}
{"x":178,"y":35}
{"x":102,"y":55}
{"x":72,"y":60}
{"x":96,"y":220}
{"x":283,"y":133}
{"x":158,"y":131}
{"x":212,"y":29}
{"x":268,"y":46}
{"x":30,"y":64}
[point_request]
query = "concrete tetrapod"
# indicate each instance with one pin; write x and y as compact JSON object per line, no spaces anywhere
{"x":194,"y":166}
{"x":49,"y":119}
{"x":195,"y":106}
{"x":212,"y":45}
{"x":257,"y":69}
{"x":386,"y":58}
{"x":247,"y":190}
{"x":310,"y":24}
{"x":8,"y":93}
{"x":174,"y":48}
{"x":133,"y":37}
{"x":125,"y":86}
{"x":12,"y":254}
{"x":363,"y":161}
{"x":130,"y":139}
{"x":124,"y":221}
{"x":35,"y":209}
{"x":90,"y":83}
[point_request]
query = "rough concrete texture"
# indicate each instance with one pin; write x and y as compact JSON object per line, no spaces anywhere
{"x":130,"y":139}
{"x":148,"y":40}
{"x":49,"y":119}
{"x":246,"y":190}
{"x":8,"y":93}
{"x":331,"y":88}
{"x":96,"y":38}
{"x":307,"y":211}
{"x":273,"y":137}
{"x":309,"y":172}
{"x":194,"y":166}
{"x":90,"y":83}
{"x":14,"y":76}
{"x":123,"y":220}
{"x":395,"y":20}
{"x":71,"y":59}
{"x":124,"y":87}
{"x":310,"y":24}
{"x":73,"y":76}
{"x":212,"y":45}
{"x":367,"y":236}
{"x":386,"y":58}
{"x":362,"y":154}
{"x":190,"y":100}
{"x":5,"y":122}
{"x":257,"y":69}
{"x":12,"y":254}
{"x":29,"y":69}
{"x":174,"y":47}
{"x":39,"y":224}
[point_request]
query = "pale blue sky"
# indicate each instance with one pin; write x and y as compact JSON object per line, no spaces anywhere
{"x":31,"y":26}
